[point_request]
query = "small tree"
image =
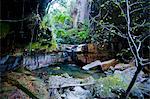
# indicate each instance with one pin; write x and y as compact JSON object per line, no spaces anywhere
{"x":132,"y":16}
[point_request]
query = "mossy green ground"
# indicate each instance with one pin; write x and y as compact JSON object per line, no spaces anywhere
{"x":105,"y":85}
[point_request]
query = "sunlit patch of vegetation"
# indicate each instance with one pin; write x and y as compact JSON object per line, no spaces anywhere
{"x":60,"y":21}
{"x":105,"y":85}
{"x":39,"y":46}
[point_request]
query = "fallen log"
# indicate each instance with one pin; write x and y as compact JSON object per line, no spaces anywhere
{"x":72,"y":85}
{"x":91,"y":65}
{"x":104,"y":65}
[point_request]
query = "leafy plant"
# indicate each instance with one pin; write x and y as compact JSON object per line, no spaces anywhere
{"x":129,"y":20}
{"x":61,"y":24}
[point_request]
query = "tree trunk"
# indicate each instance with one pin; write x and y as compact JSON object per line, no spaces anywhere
{"x":80,"y":12}
{"x":83,"y":10}
{"x":133,"y":81}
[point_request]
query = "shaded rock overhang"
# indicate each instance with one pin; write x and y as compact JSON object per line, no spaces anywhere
{"x":12,"y":9}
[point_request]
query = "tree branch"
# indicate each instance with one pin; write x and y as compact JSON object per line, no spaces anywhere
{"x":135,"y":3}
{"x":139,"y":9}
{"x":119,"y":34}
{"x":129,"y":34}
{"x":19,"y":20}
{"x":117,"y":3}
{"x":143,"y":64}
{"x":145,"y":37}
{"x":139,"y":47}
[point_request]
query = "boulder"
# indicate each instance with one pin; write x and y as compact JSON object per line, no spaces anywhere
{"x":32,"y":86}
{"x":107,"y":64}
{"x":61,"y":82}
{"x":9,"y":91}
{"x":86,"y":53}
{"x":146,"y":69}
{"x":145,"y":87}
{"x":122,"y":66}
{"x":129,"y":73}
{"x":92,"y":48}
{"x":58,"y":81}
{"x":77,"y":93}
{"x":104,"y":86}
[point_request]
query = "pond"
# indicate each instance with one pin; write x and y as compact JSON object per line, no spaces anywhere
{"x":69,"y":69}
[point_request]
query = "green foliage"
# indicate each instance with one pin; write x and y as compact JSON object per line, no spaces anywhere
{"x":4,"y":29}
{"x":112,"y":21}
{"x":73,"y":35}
{"x":61,"y":24}
{"x":113,"y":17}
{"x":60,"y":18}
{"x":50,"y":46}
{"x":105,"y":85}
{"x":125,"y":52}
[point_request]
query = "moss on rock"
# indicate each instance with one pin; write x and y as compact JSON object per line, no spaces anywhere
{"x":103,"y":87}
{"x":32,"y":86}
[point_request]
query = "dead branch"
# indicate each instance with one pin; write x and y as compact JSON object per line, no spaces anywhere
{"x":19,"y":20}
{"x":72,"y":85}
{"x":135,"y":3}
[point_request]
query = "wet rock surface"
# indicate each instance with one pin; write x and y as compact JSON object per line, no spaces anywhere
{"x":9,"y":91}
{"x":77,"y":93}
{"x":42,"y":60}
{"x":59,"y":82}
{"x":69,"y":81}
{"x":78,"y":54}
{"x":9,"y":62}
{"x":29,"y":84}
{"x":62,"y":82}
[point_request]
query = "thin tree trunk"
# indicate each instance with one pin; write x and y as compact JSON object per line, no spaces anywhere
{"x":132,"y":82}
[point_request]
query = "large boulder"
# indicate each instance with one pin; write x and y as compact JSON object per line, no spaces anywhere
{"x":7,"y":91}
{"x":32,"y":86}
{"x":61,"y":82}
{"x":77,"y":93}
{"x":113,"y":86}
{"x":104,"y":86}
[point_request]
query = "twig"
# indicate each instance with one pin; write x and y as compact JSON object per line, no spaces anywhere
{"x":139,"y":9}
{"x":138,"y":49}
{"x":112,"y":26}
{"x":121,"y":10}
{"x":135,"y":3}
{"x":19,"y":20}
{"x":71,"y":85}
{"x":143,"y":64}
{"x":145,"y":37}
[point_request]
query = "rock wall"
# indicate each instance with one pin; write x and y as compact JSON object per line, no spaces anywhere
{"x":42,"y":60}
{"x":66,"y":55}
